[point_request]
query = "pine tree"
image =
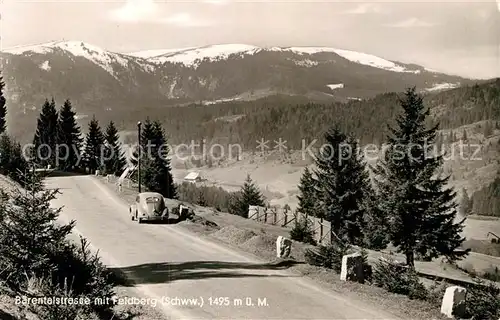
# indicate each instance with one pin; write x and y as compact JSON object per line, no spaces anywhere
{"x":69,"y":138}
{"x":249,"y":195}
{"x":420,"y":208}
{"x":342,"y":184}
{"x":29,"y":234}
{"x":201,"y":201}
{"x":375,"y":230}
{"x":45,"y":139}
{"x":94,"y":146}
{"x":3,"y":108}
{"x":465,"y":204}
{"x":147,"y":136}
{"x":156,"y":171}
{"x":307,"y":195}
{"x":114,"y":157}
{"x":303,"y":230}
{"x":12,"y":160}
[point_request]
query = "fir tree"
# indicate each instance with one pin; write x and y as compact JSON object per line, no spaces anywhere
{"x":94,"y":146}
{"x":201,"y":201}
{"x":375,"y":230}
{"x":3,"y":108}
{"x":307,"y":195}
{"x":45,"y":139}
{"x":465,"y":204}
{"x":303,"y":230}
{"x":114,"y":158}
{"x":249,"y":195}
{"x":69,"y":138}
{"x":156,"y":172}
{"x":12,"y":160}
{"x":342,"y":184}
{"x":147,"y":136}
{"x":420,"y":208}
{"x":29,"y":234}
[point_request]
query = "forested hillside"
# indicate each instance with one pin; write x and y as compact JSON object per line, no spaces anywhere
{"x":293,"y":119}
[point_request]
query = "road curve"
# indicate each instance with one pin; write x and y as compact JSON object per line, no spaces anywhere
{"x":168,"y":263}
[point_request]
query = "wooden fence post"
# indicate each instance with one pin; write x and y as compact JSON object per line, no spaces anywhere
{"x":265,"y":215}
{"x":275,"y":216}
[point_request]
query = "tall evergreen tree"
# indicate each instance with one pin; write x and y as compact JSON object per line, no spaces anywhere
{"x":147,"y":136}
{"x":201,"y":201}
{"x":94,"y":146}
{"x":3,"y":108}
{"x":114,"y":158}
{"x":69,"y":138}
{"x":421,"y":210}
{"x":465,"y":204}
{"x":156,"y":170}
{"x":45,"y":139}
{"x":342,"y":185}
{"x":12,"y":160}
{"x":375,"y":229}
{"x":307,"y":195}
{"x":28,"y":234}
{"x":249,"y":195}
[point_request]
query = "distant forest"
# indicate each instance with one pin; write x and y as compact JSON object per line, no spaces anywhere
{"x":486,"y":201}
{"x":293,"y":119}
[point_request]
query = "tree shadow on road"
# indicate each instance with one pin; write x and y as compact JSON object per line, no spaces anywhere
{"x":170,"y":220}
{"x":57,"y":173}
{"x":151,"y":273}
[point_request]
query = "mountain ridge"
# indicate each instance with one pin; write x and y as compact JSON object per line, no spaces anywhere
{"x":98,"y":81}
{"x":225,"y":50}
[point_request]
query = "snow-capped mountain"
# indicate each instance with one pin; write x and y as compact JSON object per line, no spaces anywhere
{"x":194,"y":56}
{"x":98,"y":80}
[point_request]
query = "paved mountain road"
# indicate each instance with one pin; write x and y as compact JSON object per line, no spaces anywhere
{"x":166,"y":261}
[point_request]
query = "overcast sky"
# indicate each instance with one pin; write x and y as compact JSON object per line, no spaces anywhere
{"x":458,"y":37}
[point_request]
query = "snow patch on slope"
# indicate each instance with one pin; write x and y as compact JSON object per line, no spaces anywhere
{"x":45,"y":66}
{"x":38,"y":48}
{"x":443,"y":86}
{"x":220,"y":101}
{"x":353,"y":56}
{"x":306,"y":63}
{"x":192,"y":57}
{"x":335,"y":86}
{"x":100,"y":57}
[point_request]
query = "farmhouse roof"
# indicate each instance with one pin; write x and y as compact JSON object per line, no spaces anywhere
{"x":192,"y":176}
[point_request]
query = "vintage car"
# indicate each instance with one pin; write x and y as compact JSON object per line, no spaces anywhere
{"x":149,"y":206}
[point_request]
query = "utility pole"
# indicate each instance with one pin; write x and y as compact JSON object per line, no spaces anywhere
{"x":139,"y":155}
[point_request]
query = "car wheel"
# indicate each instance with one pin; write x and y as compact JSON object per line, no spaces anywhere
{"x":133,"y":218}
{"x":139,"y":220}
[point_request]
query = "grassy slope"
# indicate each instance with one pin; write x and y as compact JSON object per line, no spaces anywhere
{"x":278,"y":175}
